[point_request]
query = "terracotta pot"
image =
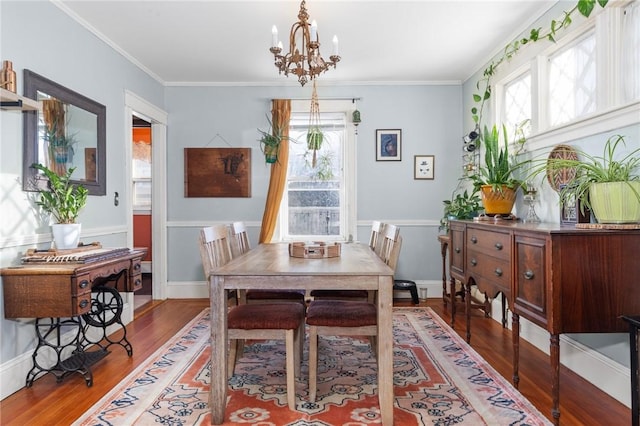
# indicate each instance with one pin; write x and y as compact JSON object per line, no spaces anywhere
{"x":496,"y":202}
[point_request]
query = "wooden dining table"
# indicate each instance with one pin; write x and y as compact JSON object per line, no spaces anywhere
{"x":269,"y":266}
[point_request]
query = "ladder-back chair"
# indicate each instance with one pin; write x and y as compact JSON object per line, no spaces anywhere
{"x":255,"y":321}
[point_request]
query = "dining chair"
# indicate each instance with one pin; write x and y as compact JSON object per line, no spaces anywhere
{"x":345,"y":317}
{"x":240,"y":245}
{"x":374,"y":240}
{"x":255,"y":321}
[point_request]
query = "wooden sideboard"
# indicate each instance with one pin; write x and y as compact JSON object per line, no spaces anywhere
{"x":59,"y":296}
{"x":563,"y":279}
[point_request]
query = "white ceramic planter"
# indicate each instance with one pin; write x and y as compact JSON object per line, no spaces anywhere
{"x":615,"y":202}
{"x":66,"y":235}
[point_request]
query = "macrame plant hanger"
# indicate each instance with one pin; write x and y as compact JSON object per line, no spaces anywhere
{"x":314,"y":135}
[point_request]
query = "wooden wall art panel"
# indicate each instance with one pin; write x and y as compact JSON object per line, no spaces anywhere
{"x":217,"y":172}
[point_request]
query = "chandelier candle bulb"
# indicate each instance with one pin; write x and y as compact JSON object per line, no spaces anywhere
{"x":335,"y":45}
{"x":314,"y":31}
{"x":303,"y":58}
{"x":274,"y":36}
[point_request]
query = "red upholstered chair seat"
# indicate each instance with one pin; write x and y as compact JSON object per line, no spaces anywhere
{"x":293,"y":295}
{"x":272,"y":316}
{"x":340,"y":294}
{"x":339,"y":313}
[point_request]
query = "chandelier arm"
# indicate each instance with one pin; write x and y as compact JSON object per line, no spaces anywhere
{"x":305,"y":61}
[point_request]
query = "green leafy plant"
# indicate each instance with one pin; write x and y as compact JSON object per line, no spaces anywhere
{"x":483,"y":86}
{"x":270,"y":142}
{"x":63,"y":199}
{"x":59,"y":145}
{"x":464,"y":205}
{"x":592,"y":169}
{"x":499,"y":167}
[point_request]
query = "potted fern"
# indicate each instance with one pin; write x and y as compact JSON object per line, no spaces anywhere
{"x":63,"y":200}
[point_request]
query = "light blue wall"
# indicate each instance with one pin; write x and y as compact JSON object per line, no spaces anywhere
{"x":429,"y":117}
{"x":36,"y":35}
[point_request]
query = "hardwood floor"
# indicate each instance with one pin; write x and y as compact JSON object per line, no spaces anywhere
{"x":50,"y":403}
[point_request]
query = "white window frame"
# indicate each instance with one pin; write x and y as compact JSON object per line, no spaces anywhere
{"x":611,"y":111}
{"x":348,"y":196}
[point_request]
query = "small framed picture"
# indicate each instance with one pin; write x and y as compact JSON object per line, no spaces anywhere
{"x":423,"y":166}
{"x":388,"y":145}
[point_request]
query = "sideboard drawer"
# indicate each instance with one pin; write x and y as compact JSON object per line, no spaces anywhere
{"x":498,"y":271}
{"x":489,"y":242}
{"x":456,"y":250}
{"x":530,"y":290}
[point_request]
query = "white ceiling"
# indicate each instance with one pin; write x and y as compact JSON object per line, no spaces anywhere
{"x":183,"y":42}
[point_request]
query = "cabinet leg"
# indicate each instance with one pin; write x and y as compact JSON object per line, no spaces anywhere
{"x":554,"y":356}
{"x":452,"y":293}
{"x":466,"y":287}
{"x":515,"y":339}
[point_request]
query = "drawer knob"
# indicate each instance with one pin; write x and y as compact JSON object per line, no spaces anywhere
{"x":83,"y":284}
{"x":137,"y":267}
{"x":474,"y":239}
{"x":474,"y":262}
{"x":498,"y":246}
{"x":498,"y":272}
{"x":138,"y":282}
{"x":83,"y":303}
{"x":528,"y":275}
{"x":457,"y":249}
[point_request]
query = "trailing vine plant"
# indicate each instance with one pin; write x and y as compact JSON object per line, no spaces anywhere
{"x":483,"y":86}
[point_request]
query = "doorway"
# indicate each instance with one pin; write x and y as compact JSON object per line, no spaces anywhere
{"x":141,"y":166}
{"x":137,"y":109}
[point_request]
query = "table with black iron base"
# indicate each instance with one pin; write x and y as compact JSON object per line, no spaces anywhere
{"x":72,"y":325}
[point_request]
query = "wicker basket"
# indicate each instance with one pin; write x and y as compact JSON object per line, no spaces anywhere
{"x":314,"y":250}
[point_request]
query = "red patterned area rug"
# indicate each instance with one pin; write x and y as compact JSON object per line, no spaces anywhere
{"x":438,"y":380}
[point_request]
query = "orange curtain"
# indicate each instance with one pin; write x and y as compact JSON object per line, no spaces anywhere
{"x":280,"y":116}
{"x":53,"y":115}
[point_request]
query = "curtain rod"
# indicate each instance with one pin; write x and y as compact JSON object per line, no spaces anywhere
{"x":322,"y":99}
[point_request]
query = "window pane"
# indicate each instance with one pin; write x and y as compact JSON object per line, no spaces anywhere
{"x":142,"y":193}
{"x":572,"y":81}
{"x":314,"y":194}
{"x":517,"y":104}
{"x":631,"y":52}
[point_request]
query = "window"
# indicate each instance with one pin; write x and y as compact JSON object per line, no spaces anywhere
{"x":572,"y":81}
{"x":631,"y":52}
{"x":517,"y":104}
{"x":315,"y":203}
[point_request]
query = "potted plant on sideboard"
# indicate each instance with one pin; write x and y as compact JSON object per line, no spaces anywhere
{"x":608,"y":185}
{"x":63,"y":200}
{"x":495,"y":179}
{"x":464,"y":205}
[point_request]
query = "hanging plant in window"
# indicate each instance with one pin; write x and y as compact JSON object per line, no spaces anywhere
{"x":314,"y":135}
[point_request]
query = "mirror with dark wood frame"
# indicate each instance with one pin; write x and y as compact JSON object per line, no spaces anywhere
{"x":69,"y":131}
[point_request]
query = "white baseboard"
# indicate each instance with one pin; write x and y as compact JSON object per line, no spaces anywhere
{"x":608,"y":375}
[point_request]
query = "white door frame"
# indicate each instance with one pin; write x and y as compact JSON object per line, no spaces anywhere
{"x":158,"y":119}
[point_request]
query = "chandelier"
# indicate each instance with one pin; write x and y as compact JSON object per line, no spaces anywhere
{"x":303,"y":59}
